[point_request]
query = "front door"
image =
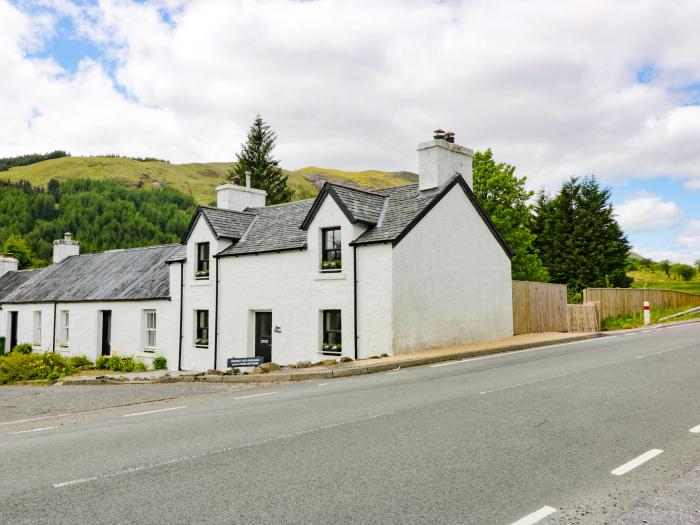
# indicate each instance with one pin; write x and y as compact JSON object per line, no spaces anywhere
{"x":13,"y":330}
{"x":106,"y":332}
{"x":263,"y":335}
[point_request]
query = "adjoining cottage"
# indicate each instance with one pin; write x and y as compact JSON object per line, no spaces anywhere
{"x":350,"y":273}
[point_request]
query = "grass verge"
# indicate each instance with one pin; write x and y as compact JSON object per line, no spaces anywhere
{"x":627,"y":321}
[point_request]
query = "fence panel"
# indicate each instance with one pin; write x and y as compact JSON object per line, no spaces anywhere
{"x":619,"y":301}
{"x":539,"y":307}
{"x":583,"y":317}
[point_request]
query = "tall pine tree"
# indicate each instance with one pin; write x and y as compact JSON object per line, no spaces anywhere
{"x":507,"y":201}
{"x":580,"y":242}
{"x":256,"y":157}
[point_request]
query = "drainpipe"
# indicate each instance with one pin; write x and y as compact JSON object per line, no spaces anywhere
{"x":182,"y":296}
{"x":53,"y":340}
{"x":354,"y":292}
{"x":216,"y":312}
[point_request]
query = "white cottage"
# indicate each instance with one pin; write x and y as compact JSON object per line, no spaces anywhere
{"x":350,"y":273}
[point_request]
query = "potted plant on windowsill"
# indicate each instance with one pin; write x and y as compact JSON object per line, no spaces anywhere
{"x":202,"y":343}
{"x":331,"y":266}
{"x":328,"y":348}
{"x":202,"y":274}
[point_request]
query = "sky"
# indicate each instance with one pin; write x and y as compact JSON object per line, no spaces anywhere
{"x":555,"y":88}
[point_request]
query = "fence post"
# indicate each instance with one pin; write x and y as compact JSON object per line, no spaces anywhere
{"x":647,"y":313}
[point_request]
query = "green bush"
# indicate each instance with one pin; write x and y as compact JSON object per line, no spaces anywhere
{"x":101,"y":362}
{"x":160,"y":363}
{"x":140,"y":367}
{"x":80,"y":361}
{"x":24,"y":348}
{"x":114,"y":363}
{"x":127,"y":364}
{"x":25,"y":367}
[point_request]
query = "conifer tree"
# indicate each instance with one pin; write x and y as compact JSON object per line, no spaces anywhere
{"x":580,"y":242}
{"x":256,"y":157}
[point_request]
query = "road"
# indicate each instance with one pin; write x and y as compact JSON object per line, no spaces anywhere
{"x":573,"y":433}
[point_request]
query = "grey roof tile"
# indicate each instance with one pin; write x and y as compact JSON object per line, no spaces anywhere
{"x":364,"y":206}
{"x":227,"y":223}
{"x":10,"y":281}
{"x":118,"y":275}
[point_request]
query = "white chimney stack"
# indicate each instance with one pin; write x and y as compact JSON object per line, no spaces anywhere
{"x":237,"y":198}
{"x":64,"y":248}
{"x":8,"y":264}
{"x":440,"y":159}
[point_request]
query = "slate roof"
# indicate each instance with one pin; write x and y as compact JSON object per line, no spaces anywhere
{"x":390,"y":213}
{"x":118,"y":275}
{"x":275,"y":228}
{"x":228,"y":224}
{"x":12,"y":280}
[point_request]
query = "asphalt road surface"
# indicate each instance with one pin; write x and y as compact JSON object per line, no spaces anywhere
{"x":573,"y":433}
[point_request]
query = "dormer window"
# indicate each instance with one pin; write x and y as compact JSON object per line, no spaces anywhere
{"x":331,"y":256}
{"x":202,"y":271}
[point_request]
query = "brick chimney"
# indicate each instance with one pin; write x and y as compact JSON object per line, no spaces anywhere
{"x":64,"y":248}
{"x":440,"y":159}
{"x":237,"y":198}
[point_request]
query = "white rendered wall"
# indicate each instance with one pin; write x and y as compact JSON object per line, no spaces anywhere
{"x":238,"y":198}
{"x":374,"y":304}
{"x":128,"y":328}
{"x":439,"y":161}
{"x":291,"y":286}
{"x":199,"y":294}
{"x":451,"y":279}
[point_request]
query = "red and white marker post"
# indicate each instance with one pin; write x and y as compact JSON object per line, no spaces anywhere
{"x":647,"y":313}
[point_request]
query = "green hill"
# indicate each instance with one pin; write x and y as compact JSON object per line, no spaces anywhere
{"x":648,"y":278}
{"x":195,"y":179}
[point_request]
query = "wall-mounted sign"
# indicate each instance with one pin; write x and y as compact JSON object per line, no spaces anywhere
{"x":242,"y":362}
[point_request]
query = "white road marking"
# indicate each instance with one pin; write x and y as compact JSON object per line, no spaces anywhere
{"x":522,"y":384}
{"x":639,"y":460}
{"x":695,"y":430}
{"x":392,"y":372}
{"x":664,"y":351}
{"x":334,"y":382}
{"x":153,"y":411}
{"x":256,"y":395}
{"x":182,"y":459}
{"x":32,"y":430}
{"x":536,"y":516}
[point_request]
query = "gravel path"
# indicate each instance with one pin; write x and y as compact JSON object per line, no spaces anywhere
{"x":22,"y":402}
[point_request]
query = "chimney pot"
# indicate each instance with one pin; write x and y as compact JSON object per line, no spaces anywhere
{"x":247,"y":179}
{"x":439,"y":134}
{"x":64,"y":248}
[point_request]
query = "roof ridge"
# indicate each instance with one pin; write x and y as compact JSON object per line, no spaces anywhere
{"x":117,"y":250}
{"x":368,"y":192}
{"x":216,"y":208}
{"x":280,"y":204}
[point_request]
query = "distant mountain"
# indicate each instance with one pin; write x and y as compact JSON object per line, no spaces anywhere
{"x":195,"y":179}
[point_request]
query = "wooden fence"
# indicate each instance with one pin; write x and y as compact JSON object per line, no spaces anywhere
{"x":539,"y":307}
{"x":583,"y":317}
{"x":619,"y":301}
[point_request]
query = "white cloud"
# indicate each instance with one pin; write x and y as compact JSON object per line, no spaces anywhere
{"x":690,"y":236}
{"x":647,"y":212}
{"x":356,"y":84}
{"x":675,"y":256}
{"x":692,"y":185}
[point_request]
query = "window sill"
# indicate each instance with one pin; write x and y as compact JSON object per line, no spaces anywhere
{"x":201,"y":282}
{"x":336,"y":354}
{"x":201,"y":346}
{"x":149,"y":350}
{"x":330,"y":275}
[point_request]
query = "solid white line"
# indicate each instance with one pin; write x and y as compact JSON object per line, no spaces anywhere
{"x":664,"y":351}
{"x":522,"y":384}
{"x":153,"y":411}
{"x":391,"y":373}
{"x":695,"y":430}
{"x":32,"y":430}
{"x":337,"y":381}
{"x":536,"y":516}
{"x":255,"y":395}
{"x":639,"y":460}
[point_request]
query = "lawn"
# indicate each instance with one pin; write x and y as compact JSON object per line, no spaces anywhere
{"x":649,"y":279}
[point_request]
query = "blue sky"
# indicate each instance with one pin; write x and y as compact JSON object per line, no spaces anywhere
{"x":558,"y":93}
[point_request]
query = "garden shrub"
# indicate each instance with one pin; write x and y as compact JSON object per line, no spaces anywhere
{"x":140,"y":367}
{"x":24,"y":348}
{"x":101,"y":363}
{"x":160,"y":363}
{"x":127,"y":364}
{"x":25,"y":367}
{"x":80,"y":361}
{"x":114,"y":363}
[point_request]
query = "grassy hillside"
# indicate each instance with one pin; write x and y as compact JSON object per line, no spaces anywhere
{"x":658,"y":279}
{"x":196,"y":179}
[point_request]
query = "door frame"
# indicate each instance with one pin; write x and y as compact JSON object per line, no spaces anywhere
{"x":105,"y":322}
{"x":14,"y":328}
{"x":255,"y":332}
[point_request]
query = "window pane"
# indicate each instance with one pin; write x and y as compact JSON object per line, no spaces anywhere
{"x":151,"y":338}
{"x":151,"y":320}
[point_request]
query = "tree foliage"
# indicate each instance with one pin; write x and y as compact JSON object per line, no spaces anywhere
{"x":684,"y":272}
{"x":15,"y":246}
{"x":25,"y":160}
{"x":504,"y":197}
{"x":256,"y":157}
{"x":580,"y":242}
{"x":102,"y":215}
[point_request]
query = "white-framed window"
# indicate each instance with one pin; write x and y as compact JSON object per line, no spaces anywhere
{"x":331,"y":252}
{"x":64,"y":337}
{"x":150,"y":324}
{"x":36,"y":329}
{"x":202,"y":270}
{"x":201,"y":328}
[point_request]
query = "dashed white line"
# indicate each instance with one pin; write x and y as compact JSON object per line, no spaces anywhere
{"x":32,"y":430}
{"x":639,"y":460}
{"x":337,"y":381}
{"x":536,"y":516}
{"x":256,"y":395}
{"x":664,"y":351}
{"x":522,"y":384}
{"x":695,"y":430}
{"x":153,"y":411}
